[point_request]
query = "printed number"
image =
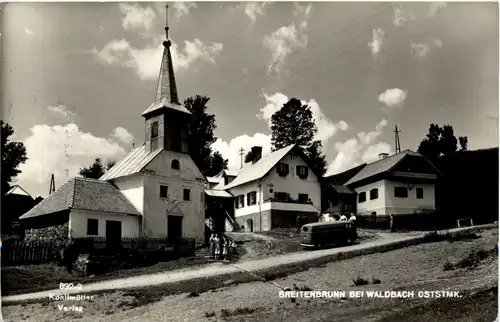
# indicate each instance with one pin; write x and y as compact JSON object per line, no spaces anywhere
{"x":69,"y":285}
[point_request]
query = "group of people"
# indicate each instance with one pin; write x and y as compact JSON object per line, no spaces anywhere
{"x":221,"y":248}
{"x":351,"y":218}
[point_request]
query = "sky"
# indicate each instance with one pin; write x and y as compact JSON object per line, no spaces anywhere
{"x":77,"y":76}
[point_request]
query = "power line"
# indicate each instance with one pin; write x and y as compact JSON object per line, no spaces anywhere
{"x":297,"y":51}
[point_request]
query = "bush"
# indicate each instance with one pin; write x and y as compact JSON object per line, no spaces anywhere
{"x":360,"y":281}
{"x":376,"y":281}
{"x":448,"y":266}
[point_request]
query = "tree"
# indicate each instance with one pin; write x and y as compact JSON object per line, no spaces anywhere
{"x":217,"y":164}
{"x":441,"y":141}
{"x":96,"y":169}
{"x":201,"y":135}
{"x":13,"y":155}
{"x":294,"y":124}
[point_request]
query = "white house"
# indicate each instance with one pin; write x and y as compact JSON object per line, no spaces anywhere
{"x":272,"y":191}
{"x":155,"y":190}
{"x":403,"y":183}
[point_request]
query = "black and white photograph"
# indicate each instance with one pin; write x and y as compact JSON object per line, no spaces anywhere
{"x":249,"y":161}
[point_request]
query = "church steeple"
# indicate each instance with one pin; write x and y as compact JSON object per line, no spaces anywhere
{"x":166,"y":90}
{"x":167,"y":120}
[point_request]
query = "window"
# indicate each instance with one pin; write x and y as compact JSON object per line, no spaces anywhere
{"x":374,"y":194}
{"x":93,"y":227}
{"x":251,"y":198}
{"x":282,"y":169}
{"x":176,"y":164}
{"x":420,"y":193}
{"x":236,"y":203}
{"x":281,"y":196}
{"x":400,"y":192}
{"x":271,"y":190}
{"x":302,"y":171}
{"x":163,"y":191}
{"x":154,"y":129}
{"x":362,"y":197}
{"x":241,"y":201}
{"x":187,"y":194}
{"x":304,"y":197}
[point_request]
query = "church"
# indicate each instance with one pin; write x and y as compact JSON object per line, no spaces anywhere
{"x":156,"y":190}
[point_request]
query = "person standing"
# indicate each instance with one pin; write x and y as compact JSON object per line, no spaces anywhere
{"x":225,"y":249}
{"x":391,"y":223}
{"x":217,"y":247}
{"x":211,"y":243}
{"x":352,"y":218}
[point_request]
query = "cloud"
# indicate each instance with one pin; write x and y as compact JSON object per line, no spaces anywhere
{"x":252,"y":9}
{"x":62,"y":111}
{"x":137,"y":16}
{"x":62,"y":151}
{"x":230,"y":150}
{"x":283,"y":41}
{"x":376,"y":44}
{"x":423,"y":49}
{"x":326,"y":127}
{"x":435,"y":7}
{"x":419,"y":49}
{"x":393,"y":97}
{"x":146,"y":61}
{"x":122,"y":135}
{"x":183,"y":8}
{"x":401,"y":16}
{"x":28,"y":32}
{"x":299,"y":10}
{"x":355,"y":151}
{"x":368,"y":138}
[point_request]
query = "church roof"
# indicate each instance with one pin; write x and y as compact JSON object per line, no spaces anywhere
{"x":132,"y":163}
{"x":83,"y":194}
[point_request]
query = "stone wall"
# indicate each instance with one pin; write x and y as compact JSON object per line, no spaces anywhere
{"x":57,"y":234}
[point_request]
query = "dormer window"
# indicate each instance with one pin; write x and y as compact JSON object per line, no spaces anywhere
{"x":282,"y":169}
{"x":302,"y":171}
{"x":154,"y":129}
{"x":175,"y":164}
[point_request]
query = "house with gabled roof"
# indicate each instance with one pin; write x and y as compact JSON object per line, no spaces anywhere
{"x":15,"y":202}
{"x":156,"y":190}
{"x":403,"y":183}
{"x":272,"y":191}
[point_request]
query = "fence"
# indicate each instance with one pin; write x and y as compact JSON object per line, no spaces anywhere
{"x":98,"y":244}
{"x":18,"y":252}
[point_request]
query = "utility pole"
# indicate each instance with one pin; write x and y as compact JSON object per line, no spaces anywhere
{"x":242,"y":151}
{"x":52,"y":185}
{"x":396,"y":139}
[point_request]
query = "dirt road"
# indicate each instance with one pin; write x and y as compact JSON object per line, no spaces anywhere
{"x":414,"y":268}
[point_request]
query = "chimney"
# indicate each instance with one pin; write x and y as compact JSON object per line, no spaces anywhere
{"x":256,"y":153}
{"x":383,"y":155}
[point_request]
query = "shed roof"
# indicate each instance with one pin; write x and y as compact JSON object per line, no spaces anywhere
{"x":84,"y":194}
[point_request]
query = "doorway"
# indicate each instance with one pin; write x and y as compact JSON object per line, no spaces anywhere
{"x":174,"y":227}
{"x":113,"y":233}
{"x":249,"y":225}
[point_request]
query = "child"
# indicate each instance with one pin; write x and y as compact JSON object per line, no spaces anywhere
{"x":233,"y":246}
{"x":226,"y":246}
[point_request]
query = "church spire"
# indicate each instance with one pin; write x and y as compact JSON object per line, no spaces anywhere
{"x":166,"y":90}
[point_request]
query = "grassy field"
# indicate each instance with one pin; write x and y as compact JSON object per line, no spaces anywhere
{"x":415,"y":268}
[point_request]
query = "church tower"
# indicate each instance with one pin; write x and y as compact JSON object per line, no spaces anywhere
{"x":166,"y":119}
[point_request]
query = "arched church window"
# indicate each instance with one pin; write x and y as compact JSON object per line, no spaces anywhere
{"x":176,"y":164}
